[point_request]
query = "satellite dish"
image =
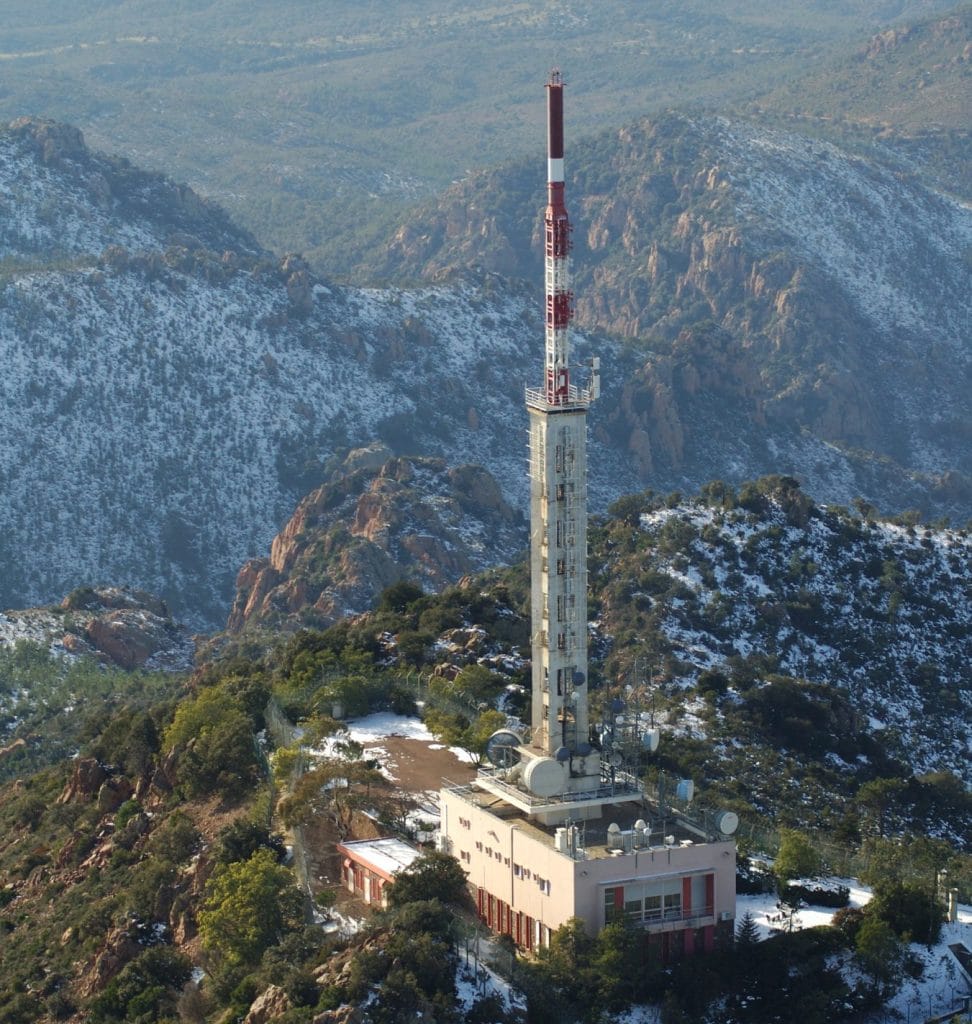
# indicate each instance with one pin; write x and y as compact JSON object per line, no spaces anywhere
{"x":685,"y":790}
{"x":500,"y":747}
{"x":562,"y":754}
{"x":545,"y":777}
{"x":617,"y":704}
{"x":579,"y":679}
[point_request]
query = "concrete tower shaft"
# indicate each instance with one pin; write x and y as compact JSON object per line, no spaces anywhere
{"x":558,"y":545}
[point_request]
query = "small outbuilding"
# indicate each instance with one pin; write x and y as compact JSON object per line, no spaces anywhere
{"x":368,"y":865}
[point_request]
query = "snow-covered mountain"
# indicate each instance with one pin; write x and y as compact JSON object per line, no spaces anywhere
{"x":766,"y":585}
{"x":786,"y":297}
{"x":170,"y":391}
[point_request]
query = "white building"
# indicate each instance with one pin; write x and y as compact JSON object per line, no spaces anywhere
{"x":674,"y":877}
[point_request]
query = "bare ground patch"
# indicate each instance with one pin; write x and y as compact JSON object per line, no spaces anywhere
{"x":417,"y":769}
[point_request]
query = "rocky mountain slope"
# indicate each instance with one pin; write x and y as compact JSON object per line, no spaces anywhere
{"x":912,"y":76}
{"x":774,"y":638}
{"x":123,"y":628}
{"x":170,"y":392}
{"x":728,"y":592}
{"x":768,"y":283}
{"x":313,"y":123}
{"x":806,"y":665}
{"x":377,"y":520}
{"x":65,"y":667}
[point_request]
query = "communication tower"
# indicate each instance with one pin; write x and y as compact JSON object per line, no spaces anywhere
{"x":532,"y":830}
{"x":558,"y":496}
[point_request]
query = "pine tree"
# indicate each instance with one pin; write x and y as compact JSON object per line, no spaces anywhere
{"x":747,"y":934}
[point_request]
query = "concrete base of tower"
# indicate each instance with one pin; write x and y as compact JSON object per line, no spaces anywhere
{"x":548,"y":791}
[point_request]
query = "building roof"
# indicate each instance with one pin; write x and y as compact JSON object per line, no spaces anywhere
{"x":595,"y":844}
{"x":385,"y":856}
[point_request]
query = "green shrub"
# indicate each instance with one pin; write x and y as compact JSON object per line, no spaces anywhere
{"x":128,"y":810}
{"x":215,"y":745}
{"x":145,"y":989}
{"x":248,"y":906}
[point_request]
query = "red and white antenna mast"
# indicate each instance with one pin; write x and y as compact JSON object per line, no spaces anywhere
{"x":559,"y":298}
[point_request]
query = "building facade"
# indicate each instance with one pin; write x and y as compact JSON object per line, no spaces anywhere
{"x":369,"y":865}
{"x":675,"y":880}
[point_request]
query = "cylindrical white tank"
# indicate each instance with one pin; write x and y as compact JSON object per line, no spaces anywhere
{"x":545,"y":777}
{"x":685,"y":790}
{"x":727,"y":822}
{"x":650,"y":739}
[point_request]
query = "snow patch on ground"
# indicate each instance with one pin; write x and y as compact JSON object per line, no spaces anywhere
{"x":933,"y":993}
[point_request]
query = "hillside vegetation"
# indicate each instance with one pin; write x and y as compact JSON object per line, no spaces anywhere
{"x":912,"y":77}
{"x":793,"y":652}
{"x":794,"y":638}
{"x":775,"y":643}
{"x":773,"y":287}
{"x":186,"y":389}
{"x":315,"y":125}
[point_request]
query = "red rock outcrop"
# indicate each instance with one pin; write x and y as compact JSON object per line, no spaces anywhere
{"x":378,"y":519}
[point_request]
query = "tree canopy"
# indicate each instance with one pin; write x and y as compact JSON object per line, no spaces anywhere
{"x":248,"y":906}
{"x":433,"y":876}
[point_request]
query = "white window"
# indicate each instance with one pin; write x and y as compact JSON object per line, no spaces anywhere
{"x":652,"y":901}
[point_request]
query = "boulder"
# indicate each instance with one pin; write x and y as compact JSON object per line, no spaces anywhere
{"x":269,"y":1005}
{"x":86,"y":780}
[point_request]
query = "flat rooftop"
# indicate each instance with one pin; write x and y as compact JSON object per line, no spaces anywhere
{"x":671,"y":828}
{"x":388,"y":856}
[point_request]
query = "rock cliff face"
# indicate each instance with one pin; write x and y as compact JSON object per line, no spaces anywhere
{"x":777,"y":306}
{"x":126,"y":628}
{"x":178,"y":390}
{"x":377,"y":520}
{"x":785,"y":288}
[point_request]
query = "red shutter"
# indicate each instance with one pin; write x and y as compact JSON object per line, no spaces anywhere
{"x":686,"y":896}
